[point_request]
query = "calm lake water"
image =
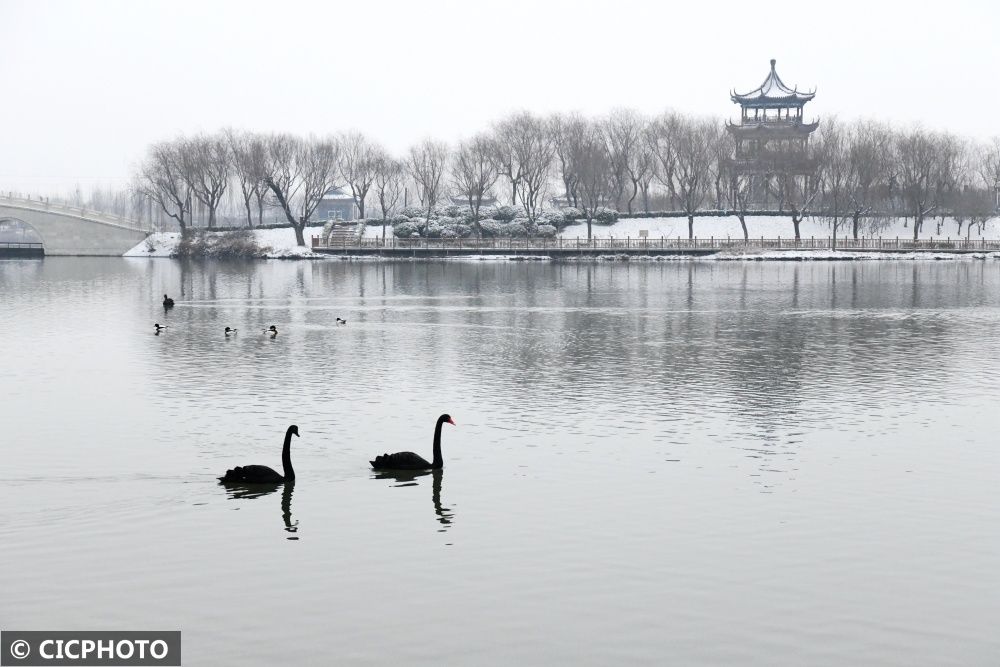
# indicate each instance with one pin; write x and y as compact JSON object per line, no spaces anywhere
{"x":689,"y":463}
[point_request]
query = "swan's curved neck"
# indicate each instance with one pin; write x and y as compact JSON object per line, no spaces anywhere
{"x":438,"y":462}
{"x":286,"y":457}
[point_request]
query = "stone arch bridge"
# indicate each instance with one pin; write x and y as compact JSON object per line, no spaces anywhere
{"x":68,"y":230}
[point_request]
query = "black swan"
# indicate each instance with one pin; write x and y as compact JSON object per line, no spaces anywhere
{"x":229,"y":331}
{"x":340,"y":321}
{"x":263,"y":474}
{"x":411,"y":461}
{"x":159,"y":327}
{"x":167,"y":302}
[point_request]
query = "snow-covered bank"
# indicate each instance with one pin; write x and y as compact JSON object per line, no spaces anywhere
{"x":280,"y":244}
{"x":770,"y":227}
{"x":274,"y":243}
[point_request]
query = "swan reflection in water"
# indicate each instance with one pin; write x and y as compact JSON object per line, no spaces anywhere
{"x":410,"y":478}
{"x":251,"y":491}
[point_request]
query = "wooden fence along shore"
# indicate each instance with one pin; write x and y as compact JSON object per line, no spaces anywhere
{"x":568,"y":247}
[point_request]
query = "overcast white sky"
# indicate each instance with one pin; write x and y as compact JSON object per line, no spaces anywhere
{"x":87,"y":85}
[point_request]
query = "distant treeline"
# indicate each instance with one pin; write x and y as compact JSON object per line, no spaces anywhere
{"x":860,"y":172}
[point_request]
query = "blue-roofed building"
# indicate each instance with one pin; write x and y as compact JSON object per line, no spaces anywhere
{"x":337,"y":204}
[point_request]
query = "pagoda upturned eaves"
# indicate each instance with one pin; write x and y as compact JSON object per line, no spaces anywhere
{"x":772,"y":93}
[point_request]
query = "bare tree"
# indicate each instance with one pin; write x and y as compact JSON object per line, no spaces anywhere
{"x":988,"y":168}
{"x":868,"y":149}
{"x":388,"y":184}
{"x":692,"y":176}
{"x":206,"y":161}
{"x":523,"y":148}
{"x":298,"y":174}
{"x":833,"y":152}
{"x":161,"y":180}
{"x":662,"y":139}
{"x":474,"y":174}
{"x":952,"y":163}
{"x":592,"y":172}
{"x":358,"y":166}
{"x":916,"y":152}
{"x":741,"y":189}
{"x":643,"y":169}
{"x":567,"y":133}
{"x":799,"y":192}
{"x":623,"y":133}
{"x":249,"y":159}
{"x":426,"y":163}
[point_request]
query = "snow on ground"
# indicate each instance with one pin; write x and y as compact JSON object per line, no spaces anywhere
{"x":770,"y":227}
{"x":161,"y":244}
{"x":281,"y":241}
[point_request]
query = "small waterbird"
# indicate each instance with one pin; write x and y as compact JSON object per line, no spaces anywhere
{"x":411,"y":461}
{"x":255,"y":474}
{"x":159,"y":327}
{"x":167,"y":302}
{"x":229,"y":331}
{"x":273,"y":330}
{"x":340,"y":321}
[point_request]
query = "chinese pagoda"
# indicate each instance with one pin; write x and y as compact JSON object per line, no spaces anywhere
{"x":772,"y":141}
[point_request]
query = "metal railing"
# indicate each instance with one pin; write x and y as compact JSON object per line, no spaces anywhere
{"x":20,"y":244}
{"x":662,"y":243}
{"x":44,"y":205}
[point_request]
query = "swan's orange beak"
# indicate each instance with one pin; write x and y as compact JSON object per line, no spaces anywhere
{"x":452,"y":422}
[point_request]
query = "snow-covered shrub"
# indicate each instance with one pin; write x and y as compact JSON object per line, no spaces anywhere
{"x":570,"y":214}
{"x":554,"y":218}
{"x":491,"y":228}
{"x":506,"y":213}
{"x":414,"y":212}
{"x":445,"y":221}
{"x":433,"y":230}
{"x":398,"y":219}
{"x":605,"y":216}
{"x":457,"y":231}
{"x":405,"y":230}
{"x":545,"y":231}
{"x":237,"y":244}
{"x":513,"y":230}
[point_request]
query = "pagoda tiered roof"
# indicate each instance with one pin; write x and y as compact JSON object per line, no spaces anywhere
{"x":772,"y":93}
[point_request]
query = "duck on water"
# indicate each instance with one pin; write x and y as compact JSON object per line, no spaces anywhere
{"x":257,"y":474}
{"x":411,"y":461}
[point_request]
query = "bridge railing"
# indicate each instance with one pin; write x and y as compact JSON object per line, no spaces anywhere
{"x":20,"y":244}
{"x":945,"y":244}
{"x":77,"y":211}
